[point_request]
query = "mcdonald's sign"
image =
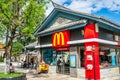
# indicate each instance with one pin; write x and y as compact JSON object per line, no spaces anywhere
{"x":59,"y":39}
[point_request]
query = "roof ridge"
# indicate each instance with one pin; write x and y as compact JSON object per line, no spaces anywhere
{"x":64,"y":25}
{"x":65,"y":8}
{"x":55,"y":5}
{"x":110,"y":21}
{"x":92,"y":15}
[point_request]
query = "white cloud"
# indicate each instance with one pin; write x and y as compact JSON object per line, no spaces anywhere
{"x":50,"y":8}
{"x":109,"y":4}
{"x":59,"y":1}
{"x":82,"y":6}
{"x":89,"y":6}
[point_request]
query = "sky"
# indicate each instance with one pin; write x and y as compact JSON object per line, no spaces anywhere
{"x":109,"y":9}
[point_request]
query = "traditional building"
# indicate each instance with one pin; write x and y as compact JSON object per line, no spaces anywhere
{"x":90,"y":43}
{"x":31,"y":53}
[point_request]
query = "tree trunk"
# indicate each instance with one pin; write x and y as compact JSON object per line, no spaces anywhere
{"x":6,"y":52}
{"x":7,"y":59}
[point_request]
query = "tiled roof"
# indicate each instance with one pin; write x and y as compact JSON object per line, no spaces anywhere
{"x":32,"y":45}
{"x":66,"y":25}
{"x":100,"y":17}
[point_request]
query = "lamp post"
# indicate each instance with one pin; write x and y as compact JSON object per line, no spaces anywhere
{"x":93,"y":50}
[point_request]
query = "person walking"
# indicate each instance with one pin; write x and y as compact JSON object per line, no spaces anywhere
{"x":59,"y":64}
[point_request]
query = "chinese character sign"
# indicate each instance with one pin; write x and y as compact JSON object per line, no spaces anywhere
{"x":91,"y":53}
{"x":89,"y":66}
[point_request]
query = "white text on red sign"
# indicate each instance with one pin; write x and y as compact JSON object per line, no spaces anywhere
{"x":89,"y":57}
{"x":89,"y":67}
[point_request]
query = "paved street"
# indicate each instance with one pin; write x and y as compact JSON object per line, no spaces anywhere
{"x":32,"y":74}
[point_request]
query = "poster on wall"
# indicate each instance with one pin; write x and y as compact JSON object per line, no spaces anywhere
{"x":73,"y":61}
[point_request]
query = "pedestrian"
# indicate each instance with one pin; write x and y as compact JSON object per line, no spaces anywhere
{"x":22,"y":63}
{"x":11,"y":68}
{"x":59,"y":64}
{"x":31,"y":64}
{"x":35,"y":65}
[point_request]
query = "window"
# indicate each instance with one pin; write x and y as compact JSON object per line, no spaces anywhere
{"x":107,"y":57}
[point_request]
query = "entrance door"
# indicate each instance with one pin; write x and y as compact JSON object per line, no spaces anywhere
{"x":63,"y":64}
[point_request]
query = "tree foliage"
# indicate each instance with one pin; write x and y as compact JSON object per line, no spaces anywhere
{"x":17,"y":48}
{"x":20,"y":18}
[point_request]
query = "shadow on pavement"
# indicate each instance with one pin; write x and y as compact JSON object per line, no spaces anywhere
{"x":41,"y":75}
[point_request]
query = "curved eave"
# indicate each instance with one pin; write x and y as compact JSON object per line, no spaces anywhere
{"x":97,"y":19}
{"x":109,"y":26}
{"x":82,"y":13}
{"x":102,"y":21}
{"x":30,"y":47}
{"x":47,"y":20}
{"x":68,"y":28}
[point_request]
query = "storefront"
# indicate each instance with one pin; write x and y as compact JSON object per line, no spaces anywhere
{"x":87,"y":44}
{"x":31,"y":55}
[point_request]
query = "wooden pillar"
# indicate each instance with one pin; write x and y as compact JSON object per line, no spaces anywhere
{"x":41,"y":52}
{"x":78,"y":57}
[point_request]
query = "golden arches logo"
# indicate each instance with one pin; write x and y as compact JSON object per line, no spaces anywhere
{"x":57,"y":38}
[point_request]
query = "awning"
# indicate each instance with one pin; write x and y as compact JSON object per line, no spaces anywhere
{"x":102,"y":41}
{"x":94,"y":40}
{"x":32,"y":45}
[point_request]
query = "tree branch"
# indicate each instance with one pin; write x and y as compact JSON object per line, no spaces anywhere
{"x":17,"y":35}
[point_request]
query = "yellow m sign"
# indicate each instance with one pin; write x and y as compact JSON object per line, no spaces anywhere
{"x":58,"y":39}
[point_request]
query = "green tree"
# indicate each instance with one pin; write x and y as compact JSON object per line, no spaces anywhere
{"x":17,"y":48}
{"x":19,"y":18}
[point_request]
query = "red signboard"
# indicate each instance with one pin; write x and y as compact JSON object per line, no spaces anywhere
{"x":91,"y":53}
{"x":118,"y":43}
{"x":60,"y":39}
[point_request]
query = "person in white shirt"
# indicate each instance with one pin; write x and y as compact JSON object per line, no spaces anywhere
{"x":11,"y":68}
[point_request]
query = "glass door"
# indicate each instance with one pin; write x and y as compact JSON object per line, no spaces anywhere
{"x":63,"y":62}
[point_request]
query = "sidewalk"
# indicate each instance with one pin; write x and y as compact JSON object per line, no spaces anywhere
{"x":32,"y":74}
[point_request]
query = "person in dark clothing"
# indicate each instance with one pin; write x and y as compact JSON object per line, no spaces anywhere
{"x":31,"y":63}
{"x":59,"y":64}
{"x":24,"y":64}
